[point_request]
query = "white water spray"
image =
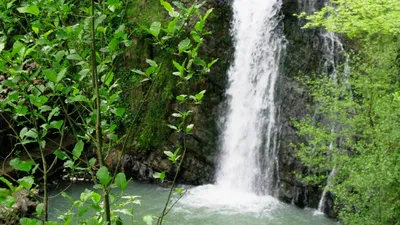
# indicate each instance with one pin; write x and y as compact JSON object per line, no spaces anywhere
{"x":248,"y":160}
{"x":322,"y":201}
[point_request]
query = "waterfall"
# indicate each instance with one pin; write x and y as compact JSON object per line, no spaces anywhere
{"x":248,"y":160}
{"x":321,"y":204}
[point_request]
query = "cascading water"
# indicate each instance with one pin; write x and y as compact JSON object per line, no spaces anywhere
{"x":247,"y":173}
{"x":248,"y":160}
{"x":321,"y":204}
{"x":246,"y":176}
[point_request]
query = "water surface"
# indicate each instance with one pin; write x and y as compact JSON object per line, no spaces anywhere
{"x":206,"y":205}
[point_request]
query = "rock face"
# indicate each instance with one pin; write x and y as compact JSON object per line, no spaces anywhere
{"x":301,"y":55}
{"x":200,"y":162}
{"x":302,"y":58}
{"x":24,"y":206}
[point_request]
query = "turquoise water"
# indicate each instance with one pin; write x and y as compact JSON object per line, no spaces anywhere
{"x":206,"y":205}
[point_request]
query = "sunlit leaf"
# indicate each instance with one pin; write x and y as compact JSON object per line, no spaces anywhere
{"x":103,"y":175}
{"x":32,"y":9}
{"x":77,"y":151}
{"x":21,"y":165}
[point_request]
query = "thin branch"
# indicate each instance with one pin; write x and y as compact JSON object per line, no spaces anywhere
{"x":19,"y":139}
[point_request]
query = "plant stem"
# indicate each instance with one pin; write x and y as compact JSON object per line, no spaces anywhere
{"x":45,"y":193}
{"x":99,"y":138}
{"x":160,"y":220}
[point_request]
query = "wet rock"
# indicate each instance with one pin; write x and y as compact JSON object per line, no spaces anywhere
{"x":24,"y":206}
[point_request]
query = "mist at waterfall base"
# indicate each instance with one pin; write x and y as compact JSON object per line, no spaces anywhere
{"x":205,"y":205}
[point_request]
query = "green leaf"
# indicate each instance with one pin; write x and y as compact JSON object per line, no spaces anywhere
{"x":169,"y":154}
{"x":59,"y":55}
{"x":26,"y":182}
{"x":181,"y":98}
{"x":42,"y":143}
{"x":18,"y":47}
{"x":212,"y":63}
{"x":21,"y":110}
{"x":27,"y":221}
{"x":151,"y":62}
{"x":96,"y":197}
{"x":39,"y":209}
{"x":38,"y":101}
{"x":160,"y":176}
{"x":196,"y":37}
{"x":120,"y":181}
{"x":78,"y":98}
{"x":8,"y":183}
{"x":148,"y":220}
{"x":124,"y":212}
{"x":200,"y":95}
{"x":32,"y":133}
{"x":179,"y":67}
{"x":77,"y":151}
{"x":179,"y":191}
{"x":35,"y":29}
{"x":69,"y":164}
{"x":65,"y":195}
{"x":54,"y":112}
{"x":138,"y":71}
{"x":177,"y":115}
{"x":92,"y":162}
{"x":208,"y":13}
{"x":88,"y":194}
{"x":189,"y":128}
{"x":199,"y":26}
{"x":99,"y":20}
{"x":184,"y":45}
{"x":172,"y":26}
{"x":21,"y":165}
{"x":120,"y":112}
{"x":155,"y":29}
{"x":172,"y":127}
{"x":167,"y":6}
{"x":61,"y":75}
{"x":92,"y":221}
{"x":2,"y":45}
{"x":57,"y":124}
{"x":103,"y":175}
{"x":83,"y":73}
{"x":32,"y":9}
{"x":50,"y":75}
{"x":74,"y":57}
{"x":109,"y":79}
{"x":61,"y":154}
{"x":82,"y":211}
{"x":150,"y":71}
{"x":4,"y":193}
{"x":23,"y":132}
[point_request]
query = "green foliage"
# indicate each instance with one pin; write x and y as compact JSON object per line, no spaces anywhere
{"x":174,"y":40}
{"x":52,"y":81}
{"x":180,"y":39}
{"x":21,"y":165}
{"x":60,"y":61}
{"x":143,"y":13}
{"x":358,"y":134}
{"x":358,"y":18}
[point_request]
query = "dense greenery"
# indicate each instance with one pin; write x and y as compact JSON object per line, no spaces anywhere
{"x":60,"y":63}
{"x":355,"y":128}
